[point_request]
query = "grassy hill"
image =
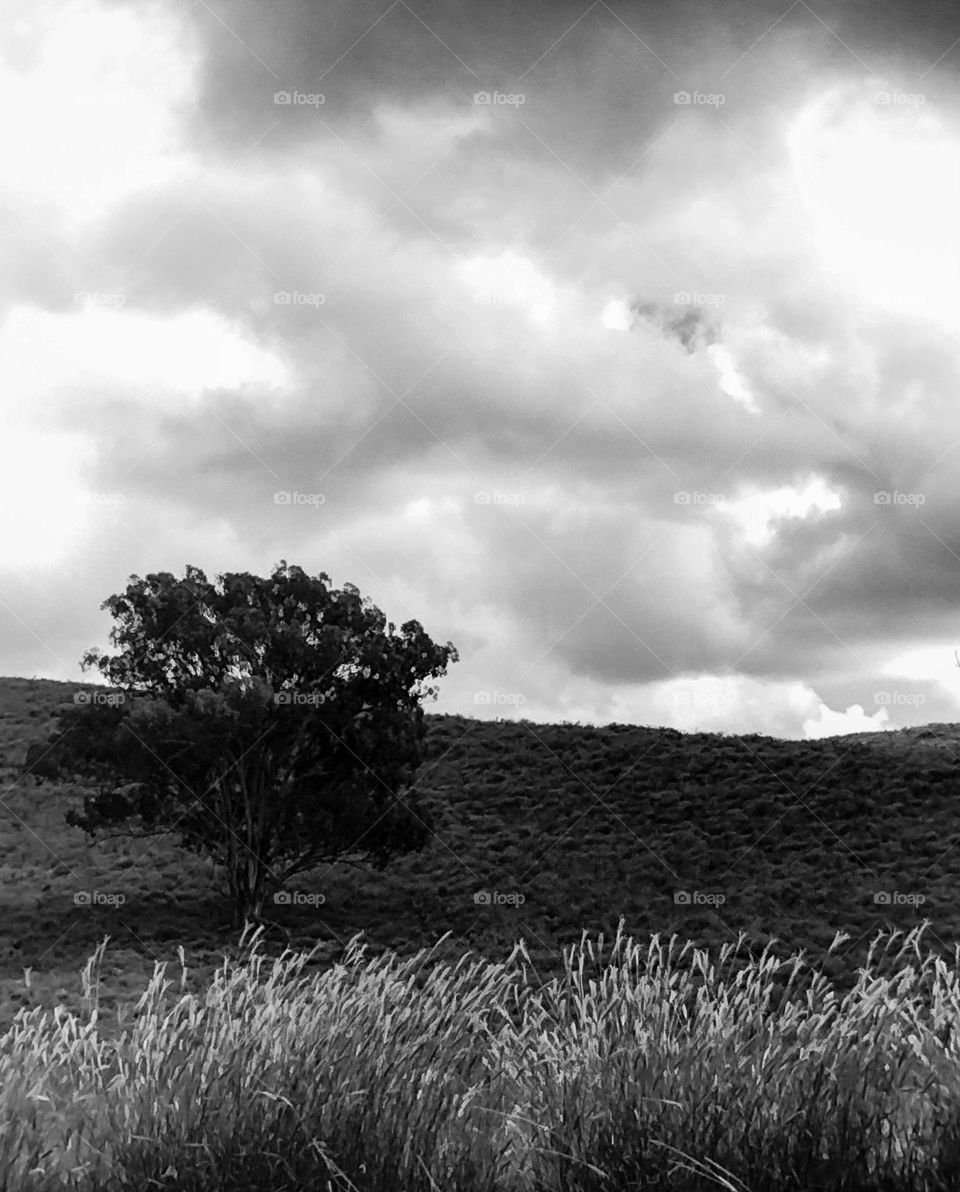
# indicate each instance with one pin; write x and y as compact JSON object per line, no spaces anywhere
{"x":543,"y":832}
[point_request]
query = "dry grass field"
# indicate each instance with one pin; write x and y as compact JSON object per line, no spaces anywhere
{"x":399,"y":1065}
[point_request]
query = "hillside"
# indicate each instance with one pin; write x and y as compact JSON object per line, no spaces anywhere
{"x":932,"y":736}
{"x":566,"y":828}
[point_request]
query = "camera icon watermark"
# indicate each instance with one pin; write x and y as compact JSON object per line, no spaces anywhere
{"x":309,"y":99}
{"x":697,"y":298}
{"x":498,"y":898}
{"x":498,"y":498}
{"x":899,"y":99}
{"x":694,"y":703}
{"x":98,"y":898}
{"x":699,"y":99}
{"x":491,"y":99}
{"x":288,"y":699}
{"x":685,"y":497}
{"x":298,"y":898}
{"x":908,"y":699}
{"x":895,"y":898}
{"x":96,"y":298}
{"x":698,"y":898}
{"x":298,"y":498}
{"x":509,"y":699}
{"x":296,"y":298}
{"x":511,"y":297}
{"x":111,"y":500}
{"x":110,"y":699}
{"x":897,"y":498}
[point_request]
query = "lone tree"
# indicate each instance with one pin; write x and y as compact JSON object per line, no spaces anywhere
{"x":272,"y":724}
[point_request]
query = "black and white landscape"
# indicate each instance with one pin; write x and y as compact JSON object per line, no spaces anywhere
{"x":479,"y":560}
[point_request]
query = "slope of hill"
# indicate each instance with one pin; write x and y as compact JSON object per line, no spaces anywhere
{"x":927,"y":736}
{"x":543,"y":831}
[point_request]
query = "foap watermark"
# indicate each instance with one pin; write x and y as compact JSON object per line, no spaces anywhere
{"x":299,"y":99}
{"x":704,"y":99}
{"x":509,"y":699}
{"x":96,"y":298}
{"x":298,"y":298}
{"x":498,"y":99}
{"x":895,"y":498}
{"x":298,"y":898}
{"x":298,"y":498}
{"x":98,"y":898}
{"x":698,"y":898}
{"x":899,"y":99}
{"x":299,"y":698}
{"x":896,"y":699}
{"x":511,"y":297}
{"x":111,"y":699}
{"x":498,"y":898}
{"x":497,"y":498}
{"x":896,"y":898}
{"x":686,"y":497}
{"x":108,"y":500}
{"x":698,"y":298}
{"x":693,"y":704}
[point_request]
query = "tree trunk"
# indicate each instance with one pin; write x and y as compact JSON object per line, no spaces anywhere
{"x":247,"y":880}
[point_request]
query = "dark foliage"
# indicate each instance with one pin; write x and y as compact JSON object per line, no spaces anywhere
{"x":272,"y":724}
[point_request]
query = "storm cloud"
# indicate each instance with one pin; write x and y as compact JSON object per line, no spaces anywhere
{"x":617,"y":344}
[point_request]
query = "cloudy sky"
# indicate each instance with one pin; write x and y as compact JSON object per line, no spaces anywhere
{"x":616,"y":343}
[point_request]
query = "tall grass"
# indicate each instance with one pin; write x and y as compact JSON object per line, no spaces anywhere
{"x":640,"y":1067}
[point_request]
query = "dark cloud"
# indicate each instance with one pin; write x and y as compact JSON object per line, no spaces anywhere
{"x":598,"y":81}
{"x":689,"y":324}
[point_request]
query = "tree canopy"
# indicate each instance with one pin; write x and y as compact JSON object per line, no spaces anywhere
{"x":272,"y":724}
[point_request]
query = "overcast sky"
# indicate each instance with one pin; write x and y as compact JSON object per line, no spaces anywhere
{"x":615,"y":343}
